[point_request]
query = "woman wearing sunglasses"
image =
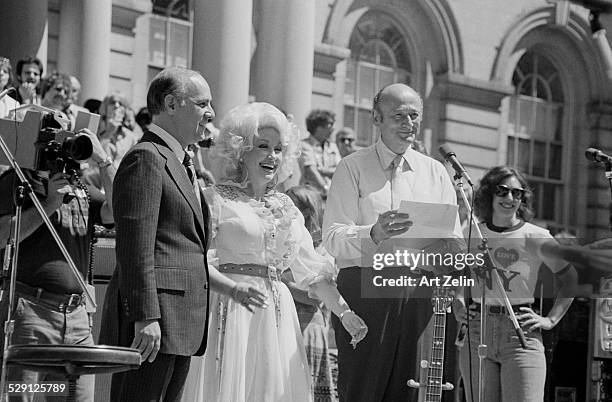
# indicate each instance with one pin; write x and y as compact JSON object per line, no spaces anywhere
{"x":503,"y":206}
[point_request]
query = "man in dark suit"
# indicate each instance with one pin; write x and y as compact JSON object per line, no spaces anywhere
{"x":158,"y":296}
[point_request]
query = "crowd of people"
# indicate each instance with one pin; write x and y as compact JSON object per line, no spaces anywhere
{"x":225,"y":285}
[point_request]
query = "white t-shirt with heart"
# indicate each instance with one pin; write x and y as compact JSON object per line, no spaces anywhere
{"x":512,"y":252}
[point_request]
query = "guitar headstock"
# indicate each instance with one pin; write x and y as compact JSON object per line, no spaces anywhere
{"x":442,"y":297}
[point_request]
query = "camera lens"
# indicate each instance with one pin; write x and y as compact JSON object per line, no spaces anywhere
{"x":78,"y":147}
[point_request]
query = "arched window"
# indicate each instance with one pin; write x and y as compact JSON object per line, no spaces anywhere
{"x":535,"y":133}
{"x":379,"y":56}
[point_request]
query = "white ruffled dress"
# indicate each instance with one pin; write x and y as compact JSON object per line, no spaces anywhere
{"x":260,"y":356}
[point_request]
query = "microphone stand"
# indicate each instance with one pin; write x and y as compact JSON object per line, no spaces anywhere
{"x":482,"y":347}
{"x":12,"y":252}
{"x":608,"y":174}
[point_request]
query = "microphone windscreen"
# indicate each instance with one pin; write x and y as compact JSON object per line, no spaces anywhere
{"x":591,"y":154}
{"x":445,"y":151}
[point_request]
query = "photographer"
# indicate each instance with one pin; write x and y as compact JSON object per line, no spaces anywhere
{"x":49,"y":305}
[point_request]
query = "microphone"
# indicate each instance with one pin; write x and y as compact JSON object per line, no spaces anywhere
{"x":450,"y":157}
{"x":6,"y":91}
{"x":595,"y":155}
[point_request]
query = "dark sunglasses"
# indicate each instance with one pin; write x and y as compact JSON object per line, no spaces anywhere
{"x":502,"y":191}
{"x":347,"y":141}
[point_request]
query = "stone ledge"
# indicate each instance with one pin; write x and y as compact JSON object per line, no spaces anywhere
{"x":465,"y":90}
{"x":326,"y":57}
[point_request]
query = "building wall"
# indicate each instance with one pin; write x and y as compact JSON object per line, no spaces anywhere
{"x":464,"y":53}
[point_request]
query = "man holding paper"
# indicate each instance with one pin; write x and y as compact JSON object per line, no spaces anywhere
{"x":363,"y":216}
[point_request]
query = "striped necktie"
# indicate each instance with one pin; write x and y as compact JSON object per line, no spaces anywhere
{"x":190,"y":168}
{"x":399,"y":190}
{"x":188,"y":163}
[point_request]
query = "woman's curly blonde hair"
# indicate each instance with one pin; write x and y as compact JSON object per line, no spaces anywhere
{"x":235,"y":139}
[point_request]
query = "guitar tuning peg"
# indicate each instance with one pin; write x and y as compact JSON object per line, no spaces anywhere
{"x":414,"y":384}
{"x":447,"y":386}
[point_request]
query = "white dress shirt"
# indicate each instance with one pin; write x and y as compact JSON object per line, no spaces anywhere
{"x":361,"y":190}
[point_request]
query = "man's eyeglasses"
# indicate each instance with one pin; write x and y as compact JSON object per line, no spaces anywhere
{"x":503,"y":190}
{"x":346,"y":141}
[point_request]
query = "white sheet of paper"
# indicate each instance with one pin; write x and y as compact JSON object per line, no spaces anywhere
{"x":430,"y":219}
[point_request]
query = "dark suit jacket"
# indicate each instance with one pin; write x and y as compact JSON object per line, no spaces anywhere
{"x":162,"y":239}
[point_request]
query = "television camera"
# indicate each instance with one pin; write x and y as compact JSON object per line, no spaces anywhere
{"x":39,"y":142}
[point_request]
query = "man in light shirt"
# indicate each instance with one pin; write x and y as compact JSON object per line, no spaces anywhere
{"x":361,"y":213}
{"x":319,"y":157}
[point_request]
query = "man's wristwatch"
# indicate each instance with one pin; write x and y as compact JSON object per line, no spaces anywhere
{"x":106,"y":162}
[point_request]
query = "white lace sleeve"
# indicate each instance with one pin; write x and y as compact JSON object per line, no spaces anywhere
{"x":308,"y":266}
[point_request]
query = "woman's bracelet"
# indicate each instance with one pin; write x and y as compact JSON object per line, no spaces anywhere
{"x":348,"y":310}
{"x":234,"y":291}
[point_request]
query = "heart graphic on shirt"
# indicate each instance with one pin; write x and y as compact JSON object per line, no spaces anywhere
{"x":506,"y":257}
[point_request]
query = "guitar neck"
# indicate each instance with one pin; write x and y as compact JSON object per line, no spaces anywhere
{"x":435,"y":370}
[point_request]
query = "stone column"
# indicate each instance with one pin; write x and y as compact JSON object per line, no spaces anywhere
{"x":95,"y":50}
{"x":270,"y":53}
{"x":23,"y":29}
{"x":297,"y":63}
{"x":222,"y":50}
{"x":70,"y":29}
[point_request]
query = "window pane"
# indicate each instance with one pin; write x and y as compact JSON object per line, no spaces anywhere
{"x":157,"y":42}
{"x":539,"y":159}
{"x":384,"y":57}
{"x":364,"y":127}
{"x":366,"y":85}
{"x":349,"y":117}
{"x":555,"y":120}
{"x":510,"y":152}
{"x":548,"y":202}
{"x":368,"y":53}
{"x":542,"y":126}
{"x":172,"y":8}
{"x":523,"y":155}
{"x":178,"y":48}
{"x":542,"y":90}
{"x":556,"y":156}
{"x":525,"y":117}
{"x":349,"y":85}
{"x":512,"y":117}
{"x":385,"y":78}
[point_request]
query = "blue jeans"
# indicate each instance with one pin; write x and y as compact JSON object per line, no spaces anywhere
{"x":512,"y":374}
{"x":36,"y":323}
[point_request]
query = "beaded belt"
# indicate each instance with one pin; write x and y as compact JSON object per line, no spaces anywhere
{"x":261,"y":271}
{"x":268,"y":272}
